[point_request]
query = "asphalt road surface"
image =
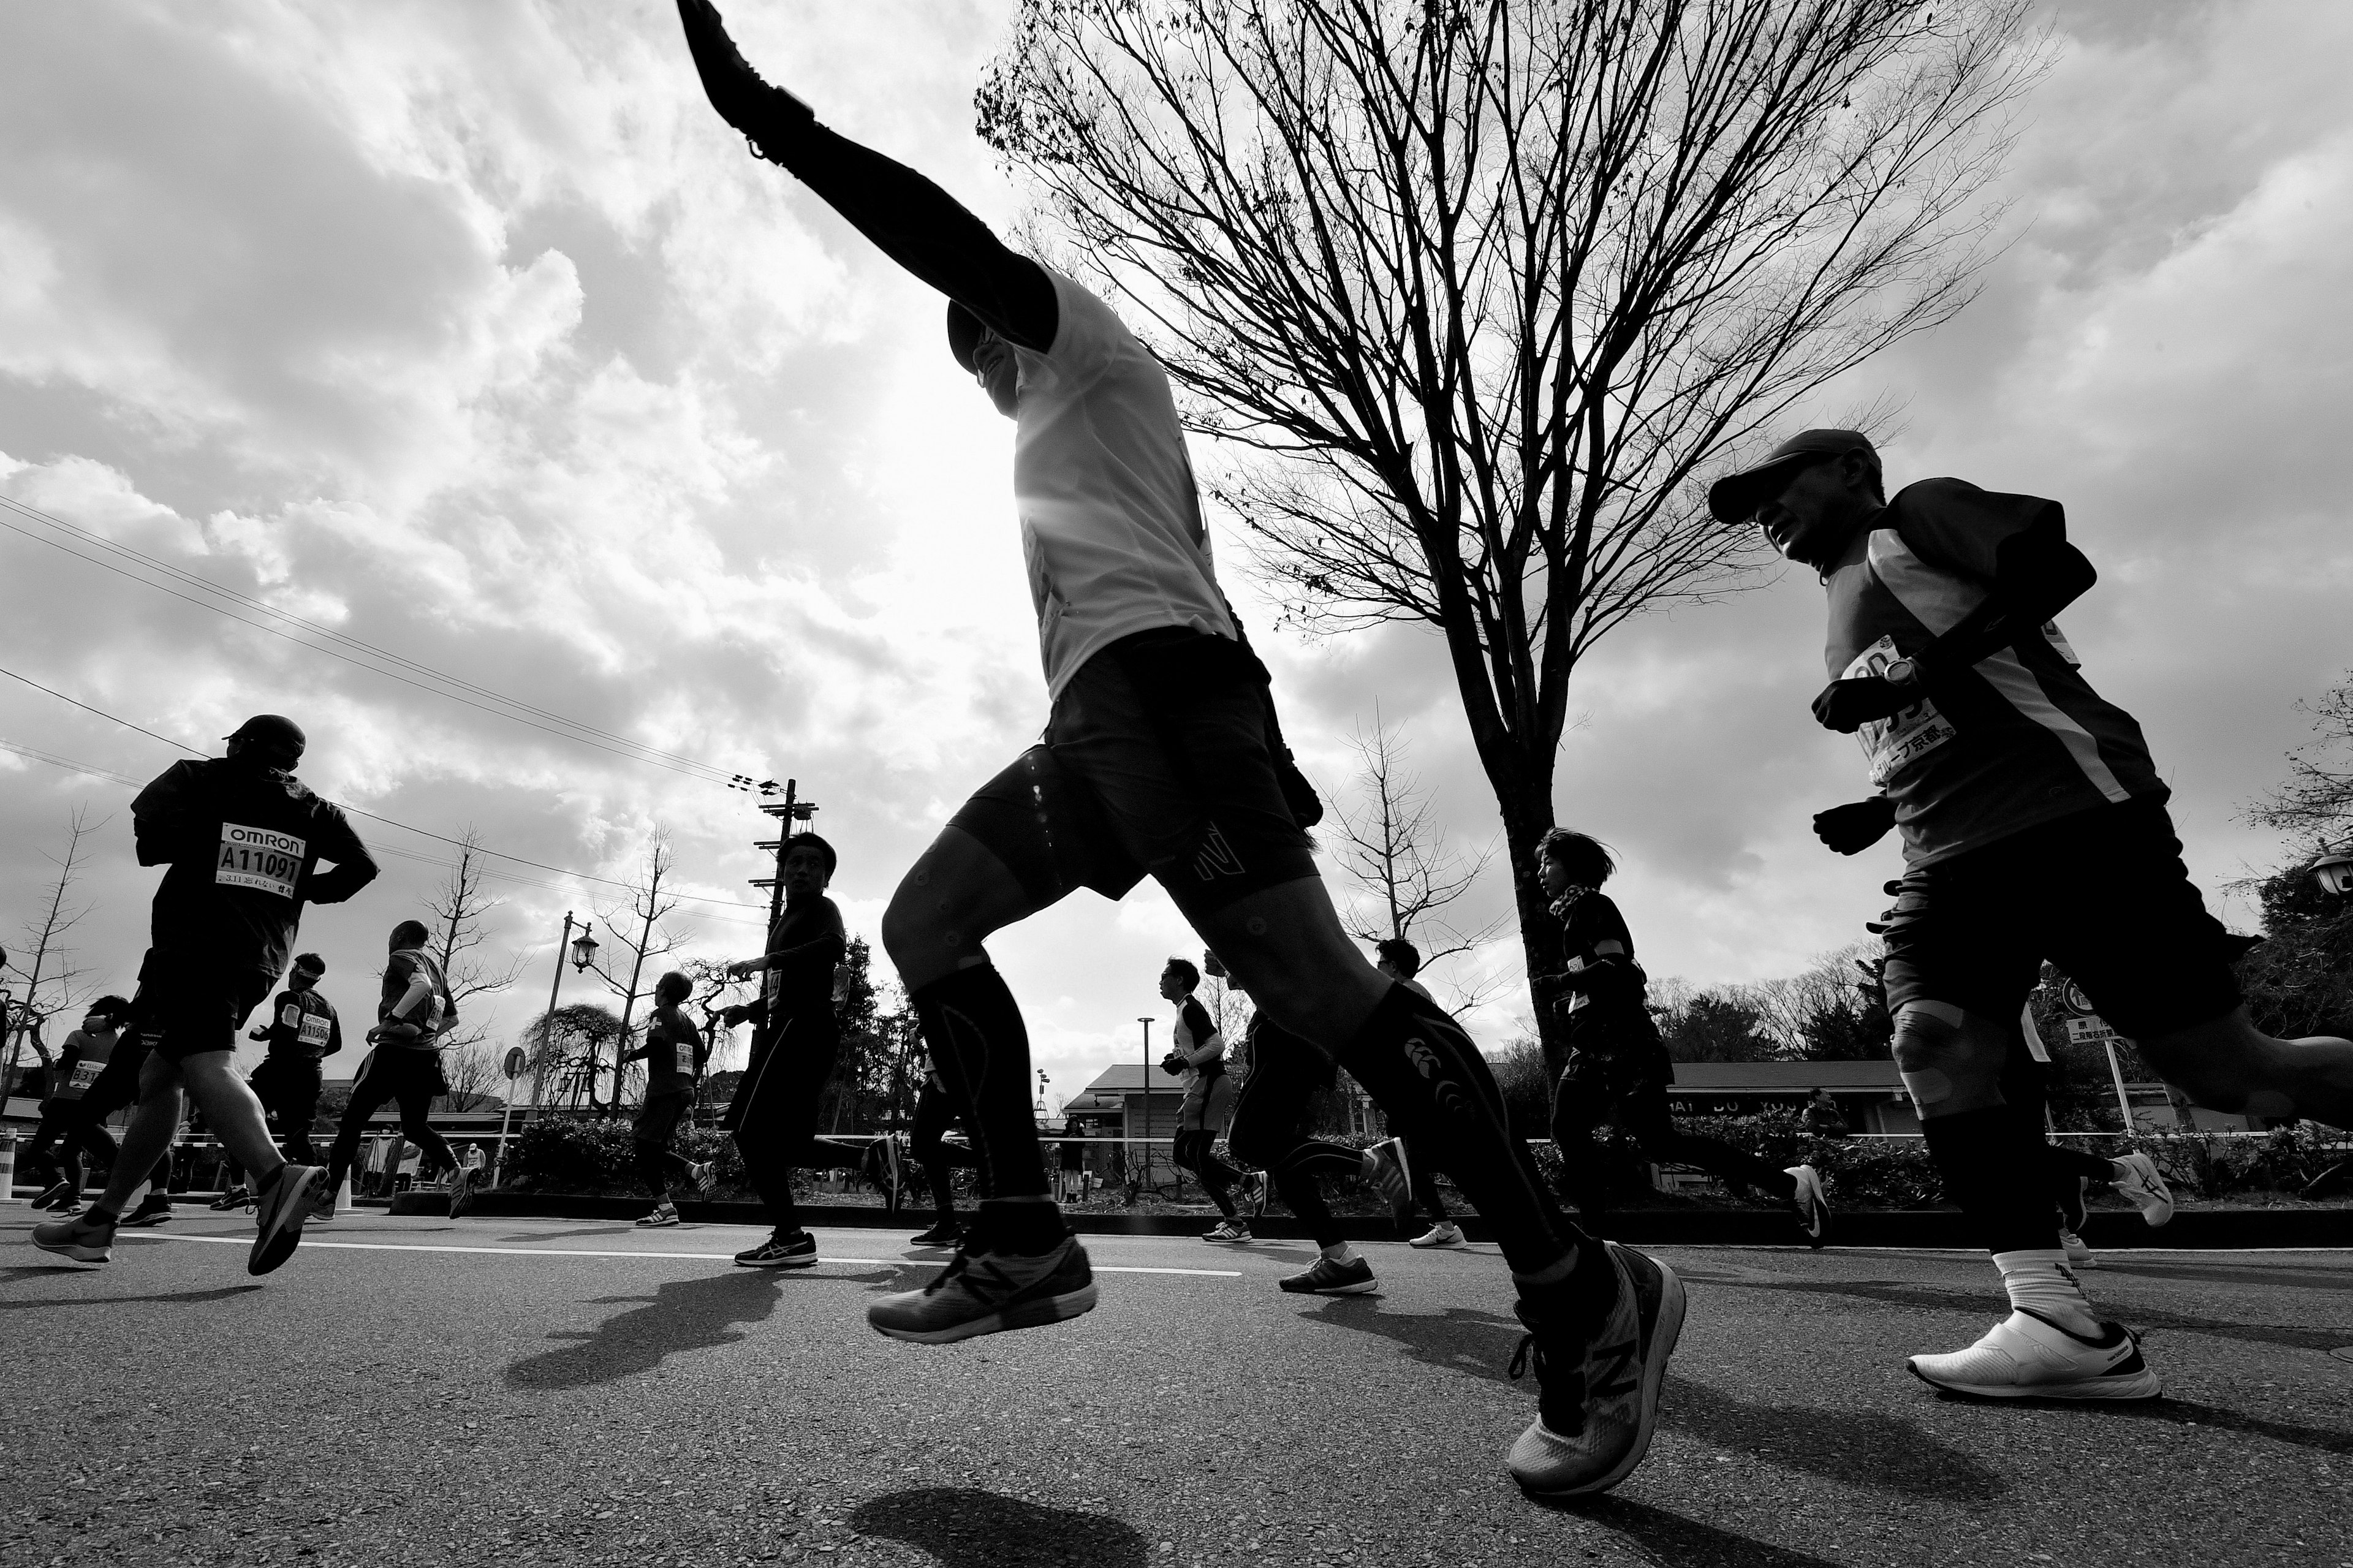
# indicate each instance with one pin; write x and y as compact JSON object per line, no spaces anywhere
{"x":418,"y":1391}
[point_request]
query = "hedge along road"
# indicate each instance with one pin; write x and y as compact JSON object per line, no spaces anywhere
{"x":568,"y":1392}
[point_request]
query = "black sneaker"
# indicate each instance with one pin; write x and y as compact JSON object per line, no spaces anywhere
{"x":1598,"y":1383}
{"x":1250,"y":1194}
{"x":57,"y":1197}
{"x":947,"y":1233}
{"x":781,"y":1251}
{"x":284,"y":1204}
{"x":1325,"y":1277}
{"x":988,"y":1292}
{"x":461,"y":1192}
{"x":155,"y":1208}
{"x":235,"y":1198}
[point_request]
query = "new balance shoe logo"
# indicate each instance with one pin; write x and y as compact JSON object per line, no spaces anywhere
{"x":1215,"y":857}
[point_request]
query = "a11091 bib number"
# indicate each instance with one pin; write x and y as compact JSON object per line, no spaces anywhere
{"x":260,"y":858}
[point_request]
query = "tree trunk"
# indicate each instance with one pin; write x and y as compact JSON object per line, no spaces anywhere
{"x":1527,"y":817}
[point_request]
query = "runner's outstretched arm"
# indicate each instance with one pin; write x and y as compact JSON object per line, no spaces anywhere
{"x":914,"y":222}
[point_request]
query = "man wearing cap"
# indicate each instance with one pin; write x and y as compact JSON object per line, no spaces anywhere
{"x":2025,"y":802}
{"x":243,"y":839}
{"x":1161,"y":757}
{"x":302,"y":1033}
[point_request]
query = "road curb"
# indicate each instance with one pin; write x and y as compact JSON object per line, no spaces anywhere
{"x":2193,"y":1230}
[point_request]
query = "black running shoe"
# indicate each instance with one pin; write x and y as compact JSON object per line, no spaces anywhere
{"x":1325,"y":1277}
{"x":1599,"y":1382}
{"x":235,"y":1198}
{"x":947,"y":1233}
{"x":155,"y":1208}
{"x":988,"y":1293}
{"x":780,"y":1251}
{"x":461,"y":1192}
{"x":60,"y":1196}
{"x":284,"y":1204}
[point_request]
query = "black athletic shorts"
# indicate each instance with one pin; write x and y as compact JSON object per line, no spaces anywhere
{"x":1159,"y":759}
{"x":659,"y":1117}
{"x":2103,"y":894}
{"x":187,"y":1006}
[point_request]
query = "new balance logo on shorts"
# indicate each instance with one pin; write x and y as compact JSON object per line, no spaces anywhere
{"x":1215,"y":857}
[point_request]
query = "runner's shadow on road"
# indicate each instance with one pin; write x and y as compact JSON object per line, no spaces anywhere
{"x":620,"y":1228}
{"x":1685,"y":1542}
{"x":682,"y":1315}
{"x":965,"y":1528}
{"x":2187,"y":1413}
{"x":221,"y":1293}
{"x":1853,"y":1447}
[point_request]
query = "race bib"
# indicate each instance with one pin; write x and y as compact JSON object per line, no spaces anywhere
{"x":314,"y":1029}
{"x":260,"y":858}
{"x":84,"y":1074}
{"x":1892,"y":744}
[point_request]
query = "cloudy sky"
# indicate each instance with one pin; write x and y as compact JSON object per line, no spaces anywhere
{"x":466,"y":331}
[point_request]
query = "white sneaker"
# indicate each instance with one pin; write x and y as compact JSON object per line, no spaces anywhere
{"x":2030,"y":1357}
{"x":2078,"y":1255}
{"x":1812,"y":1205}
{"x":1228,"y":1230}
{"x":2139,"y":1179}
{"x":1445,"y":1233}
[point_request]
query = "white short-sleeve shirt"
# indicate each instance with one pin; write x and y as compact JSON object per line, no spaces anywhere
{"x":1110,"y":518}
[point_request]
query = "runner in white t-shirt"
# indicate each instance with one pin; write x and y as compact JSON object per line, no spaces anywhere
{"x":1161,"y":756}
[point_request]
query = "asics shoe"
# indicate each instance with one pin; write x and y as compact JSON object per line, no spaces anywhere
{"x":780,"y":1251}
{"x":1813,"y":1208}
{"x":2078,"y":1255}
{"x":1445,"y":1233}
{"x":2139,"y":1179}
{"x":1325,"y":1277}
{"x":987,"y":1293}
{"x":83,"y":1239}
{"x":235,"y":1198}
{"x":2027,"y":1356}
{"x":285,"y":1202}
{"x":663,"y":1215}
{"x":153,"y":1209}
{"x":946,"y":1233}
{"x":1599,"y":1383}
{"x":1386,"y":1170}
{"x":1228,"y":1230}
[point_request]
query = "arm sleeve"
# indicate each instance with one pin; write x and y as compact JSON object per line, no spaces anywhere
{"x":159,"y":817}
{"x":420,"y":989}
{"x":1209,"y":1045}
{"x":353,"y":867}
{"x":919,"y":227}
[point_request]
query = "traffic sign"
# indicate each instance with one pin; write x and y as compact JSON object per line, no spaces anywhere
{"x":2090,"y":1029}
{"x":516,"y":1062}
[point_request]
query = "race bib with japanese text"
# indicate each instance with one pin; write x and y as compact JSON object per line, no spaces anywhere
{"x":260,"y":858}
{"x":315,"y":1029}
{"x":1894,"y":743}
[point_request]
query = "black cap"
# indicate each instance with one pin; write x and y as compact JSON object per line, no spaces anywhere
{"x":1736,"y":497}
{"x":964,"y":335}
{"x":273,"y":732}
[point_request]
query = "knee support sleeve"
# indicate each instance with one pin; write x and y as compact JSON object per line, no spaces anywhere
{"x":1947,"y":1056}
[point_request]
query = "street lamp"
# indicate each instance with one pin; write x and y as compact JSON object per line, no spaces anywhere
{"x":1144,"y":1150}
{"x":2334,"y":872}
{"x":583,"y":946}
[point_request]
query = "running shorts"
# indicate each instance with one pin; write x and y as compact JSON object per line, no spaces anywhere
{"x":659,"y":1117}
{"x":1158,"y":759}
{"x":2103,"y":894}
{"x":187,"y":1006}
{"x":1209,"y":1104}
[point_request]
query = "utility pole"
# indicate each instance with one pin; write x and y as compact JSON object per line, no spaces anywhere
{"x":787,"y":811}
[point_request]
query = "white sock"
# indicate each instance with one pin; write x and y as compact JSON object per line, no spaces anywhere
{"x":2040,"y":1281}
{"x":1340,"y":1252}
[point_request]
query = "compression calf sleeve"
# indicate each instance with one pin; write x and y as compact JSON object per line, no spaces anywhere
{"x":1438,"y":1090}
{"x":982,"y":1052}
{"x":1994,"y":1168}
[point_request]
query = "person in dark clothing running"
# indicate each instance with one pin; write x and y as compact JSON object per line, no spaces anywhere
{"x":673,"y":1056}
{"x":1269,"y":1131}
{"x":61,"y":1141}
{"x":1196,"y":1054}
{"x":1402,"y":961}
{"x":414,"y":1011}
{"x":243,"y":839}
{"x":1162,"y":757}
{"x":302,"y":1032}
{"x":794,"y":1042}
{"x":1618,"y":1066}
{"x":2026,"y":801}
{"x":927,"y":1145}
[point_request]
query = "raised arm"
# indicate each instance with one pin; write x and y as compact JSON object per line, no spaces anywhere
{"x":914,"y":222}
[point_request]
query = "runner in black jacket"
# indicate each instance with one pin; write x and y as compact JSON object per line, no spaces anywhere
{"x":243,"y":840}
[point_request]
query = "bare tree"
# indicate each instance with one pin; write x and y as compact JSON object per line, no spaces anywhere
{"x":458,"y":906}
{"x":2318,"y":799}
{"x":1390,"y":843}
{"x":645,"y":911}
{"x":474,"y":1071}
{"x":53,"y":983}
{"x":1475,"y":291}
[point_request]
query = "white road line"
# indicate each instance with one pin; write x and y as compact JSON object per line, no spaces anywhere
{"x":568,"y":1252}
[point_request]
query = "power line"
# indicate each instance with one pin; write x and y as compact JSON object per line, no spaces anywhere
{"x":354,"y":810}
{"x":570,"y":729}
